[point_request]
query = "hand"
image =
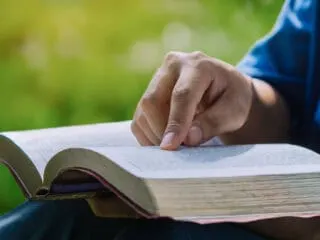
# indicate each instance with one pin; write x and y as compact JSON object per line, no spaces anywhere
{"x":192,"y":98}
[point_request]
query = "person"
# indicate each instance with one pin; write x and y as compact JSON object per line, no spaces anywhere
{"x":272,"y":95}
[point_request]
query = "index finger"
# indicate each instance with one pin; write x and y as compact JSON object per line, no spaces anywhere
{"x":156,"y":98}
{"x":186,"y":95}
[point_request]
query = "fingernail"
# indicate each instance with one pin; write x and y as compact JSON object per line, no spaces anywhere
{"x":167,"y":140}
{"x":194,"y":136}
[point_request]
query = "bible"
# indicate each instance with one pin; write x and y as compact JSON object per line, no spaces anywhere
{"x":201,"y":184}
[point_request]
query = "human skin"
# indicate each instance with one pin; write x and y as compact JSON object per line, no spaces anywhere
{"x":193,"y":98}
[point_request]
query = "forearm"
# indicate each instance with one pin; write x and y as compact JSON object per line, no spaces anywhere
{"x":268,"y":120}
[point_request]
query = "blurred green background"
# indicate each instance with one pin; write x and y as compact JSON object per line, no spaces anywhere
{"x":77,"y":61}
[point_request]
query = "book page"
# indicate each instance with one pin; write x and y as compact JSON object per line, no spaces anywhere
{"x":41,"y":145}
{"x":214,"y":161}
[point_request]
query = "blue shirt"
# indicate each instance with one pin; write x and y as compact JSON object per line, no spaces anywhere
{"x":288,"y":58}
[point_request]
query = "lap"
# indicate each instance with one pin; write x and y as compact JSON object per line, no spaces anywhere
{"x":73,"y":219}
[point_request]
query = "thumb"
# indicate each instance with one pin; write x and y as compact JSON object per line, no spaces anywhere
{"x":218,"y":119}
{"x":201,"y":130}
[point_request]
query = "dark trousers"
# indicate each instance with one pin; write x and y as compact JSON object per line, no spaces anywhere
{"x":73,"y":219}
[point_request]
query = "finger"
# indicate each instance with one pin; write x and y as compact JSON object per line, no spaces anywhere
{"x":165,"y":77}
{"x":185,"y":98}
{"x":144,"y":126}
{"x":218,"y":119}
{"x":156,"y":99}
{"x":156,"y":116}
{"x":139,"y":134}
{"x":212,"y":95}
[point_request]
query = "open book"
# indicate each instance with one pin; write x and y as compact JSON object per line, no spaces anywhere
{"x":200,"y":184}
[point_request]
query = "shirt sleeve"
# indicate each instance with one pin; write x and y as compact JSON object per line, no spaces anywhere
{"x":281,"y":57}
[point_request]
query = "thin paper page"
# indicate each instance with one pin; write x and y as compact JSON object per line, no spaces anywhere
{"x":41,"y":145}
{"x":214,"y":161}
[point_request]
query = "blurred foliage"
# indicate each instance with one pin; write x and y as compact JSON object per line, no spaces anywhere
{"x":84,"y":61}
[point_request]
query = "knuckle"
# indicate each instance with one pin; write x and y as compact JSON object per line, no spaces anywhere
{"x":197,"y":55}
{"x":182,"y":94}
{"x":147,"y":100}
{"x":173,"y":126}
{"x":172,"y":60}
{"x":139,"y":119}
{"x":171,"y":56}
{"x":134,"y":127}
{"x":204,"y":64}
